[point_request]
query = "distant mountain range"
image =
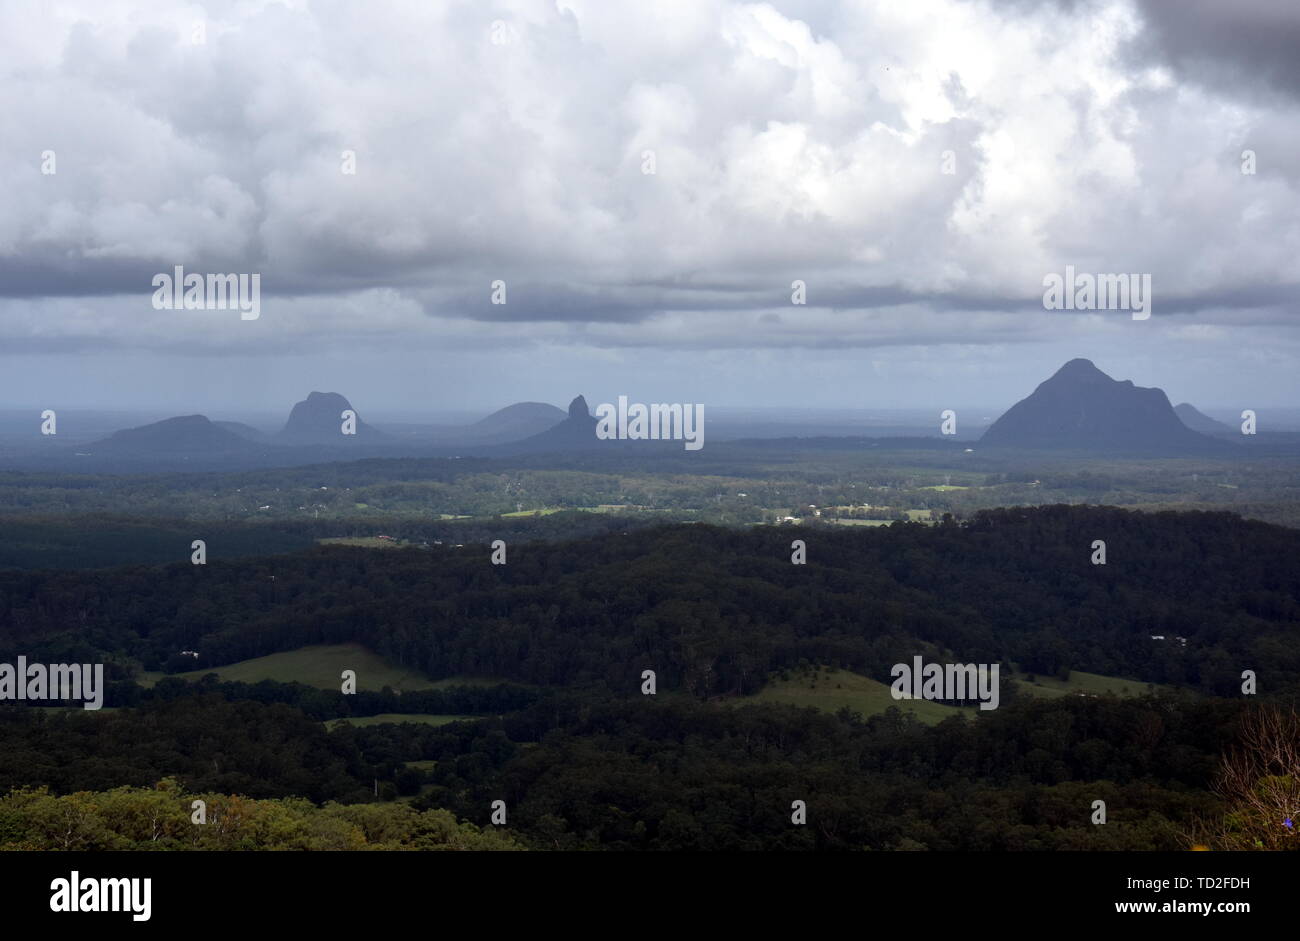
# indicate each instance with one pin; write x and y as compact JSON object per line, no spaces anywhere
{"x":314,"y":432}
{"x":1080,"y":408}
{"x":317,"y":422}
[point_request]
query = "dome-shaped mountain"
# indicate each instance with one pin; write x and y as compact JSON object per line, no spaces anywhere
{"x":1081,"y":408}
{"x":318,"y":419}
{"x":189,"y":434}
{"x":517,"y":421}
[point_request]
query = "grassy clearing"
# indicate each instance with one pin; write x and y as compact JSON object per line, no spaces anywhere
{"x":1094,"y":684}
{"x":319,"y":666}
{"x":831,"y":691}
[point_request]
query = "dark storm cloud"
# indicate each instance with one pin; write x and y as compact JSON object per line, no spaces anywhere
{"x":1247,"y":46}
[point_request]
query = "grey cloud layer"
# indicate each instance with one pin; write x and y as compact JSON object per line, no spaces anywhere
{"x":792,"y":141}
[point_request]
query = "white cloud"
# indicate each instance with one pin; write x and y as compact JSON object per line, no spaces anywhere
{"x":786,"y":147}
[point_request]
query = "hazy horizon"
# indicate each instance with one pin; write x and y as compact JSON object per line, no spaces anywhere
{"x":376,"y":393}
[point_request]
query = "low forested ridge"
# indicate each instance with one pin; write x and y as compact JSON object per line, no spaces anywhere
{"x":714,"y":611}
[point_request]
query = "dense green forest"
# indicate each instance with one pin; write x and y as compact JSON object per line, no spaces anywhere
{"x":583,"y":760}
{"x":584,"y":771}
{"x":713,"y":611}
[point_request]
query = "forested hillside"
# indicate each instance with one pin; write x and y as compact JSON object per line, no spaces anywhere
{"x":584,"y":760}
{"x":584,"y":771}
{"x":714,"y":611}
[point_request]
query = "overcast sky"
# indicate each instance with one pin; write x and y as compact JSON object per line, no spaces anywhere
{"x":507,"y":140}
